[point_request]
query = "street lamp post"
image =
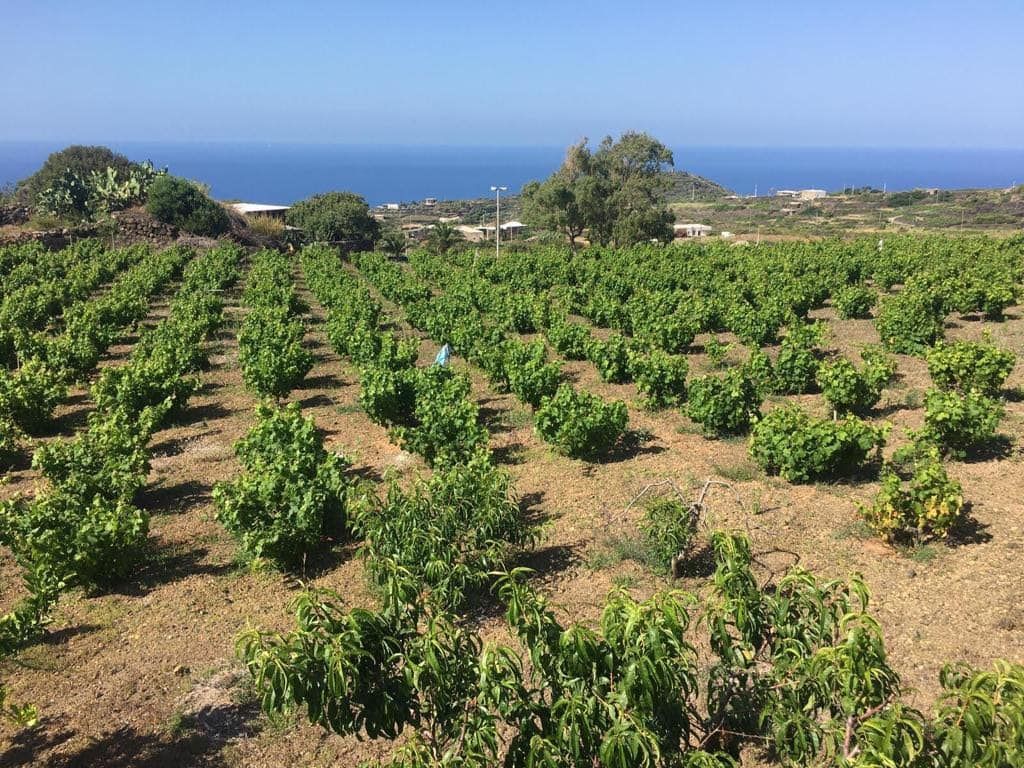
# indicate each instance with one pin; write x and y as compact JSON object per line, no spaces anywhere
{"x":497,"y":218}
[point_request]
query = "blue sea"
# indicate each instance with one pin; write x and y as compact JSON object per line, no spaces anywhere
{"x":284,"y":173}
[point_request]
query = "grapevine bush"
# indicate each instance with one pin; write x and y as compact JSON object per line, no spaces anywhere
{"x":570,"y":340}
{"x":271,"y":354}
{"x":611,"y":358}
{"x":925,"y":505}
{"x":660,"y":377}
{"x":790,"y":443}
{"x":292,"y":492}
{"x":445,"y":427}
{"x":797,"y":364}
{"x":724,"y":405}
{"x":960,"y":422}
{"x":967,"y":365}
{"x":580,"y":424}
{"x":911,"y":321}
{"x":855,"y":301}
{"x":849,"y":390}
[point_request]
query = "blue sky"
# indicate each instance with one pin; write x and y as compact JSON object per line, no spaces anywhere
{"x":866,"y":73}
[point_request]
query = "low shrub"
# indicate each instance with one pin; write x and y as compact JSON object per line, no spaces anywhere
{"x":967,"y":365}
{"x":849,"y":390}
{"x":855,"y":301}
{"x":796,"y":367}
{"x":183,"y":204}
{"x":959,"y":422}
{"x":660,"y":377}
{"x":724,"y":405}
{"x":270,"y":352}
{"x":29,"y":395}
{"x":450,"y":532}
{"x":73,"y":540}
{"x":668,"y":529}
{"x":611,"y":358}
{"x":446,"y":427}
{"x":570,"y":340}
{"x":530,"y":376}
{"x":926,"y":505}
{"x":291,"y":493}
{"x":760,"y":371}
{"x":388,"y":395}
{"x":580,"y":423}
{"x":911,"y":321}
{"x":799,"y":448}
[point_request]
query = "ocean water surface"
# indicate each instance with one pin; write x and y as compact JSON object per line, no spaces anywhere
{"x":284,"y":173}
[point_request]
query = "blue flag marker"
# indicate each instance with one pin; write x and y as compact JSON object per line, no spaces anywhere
{"x":443,"y":355}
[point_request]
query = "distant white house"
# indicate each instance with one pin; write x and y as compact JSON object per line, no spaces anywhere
{"x":691,"y":230}
{"x":811,"y":194}
{"x":430,"y":201}
{"x":392,"y":206}
{"x":786,"y":193}
{"x":260,"y":209}
{"x":509,"y":230}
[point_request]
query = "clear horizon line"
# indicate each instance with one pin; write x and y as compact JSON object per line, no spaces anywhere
{"x":471,"y":145}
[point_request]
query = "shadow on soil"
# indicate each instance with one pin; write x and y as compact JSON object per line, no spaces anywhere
{"x":633,"y":443}
{"x":545,"y":563}
{"x":199,"y":413}
{"x":177,"y":445}
{"x":323,"y":381}
{"x":196,"y":745}
{"x":317,"y":401}
{"x":175,"y":497}
{"x":510,"y":455}
{"x":999,"y":447}
{"x":968,"y":532}
{"x":165,"y":565}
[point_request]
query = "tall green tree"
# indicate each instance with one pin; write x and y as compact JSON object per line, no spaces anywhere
{"x":335,"y":216}
{"x":614,"y":194}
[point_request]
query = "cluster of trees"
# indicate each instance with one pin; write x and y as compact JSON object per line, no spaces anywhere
{"x":613,"y":194}
{"x":84,"y":183}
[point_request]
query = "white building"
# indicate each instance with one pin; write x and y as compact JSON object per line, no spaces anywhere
{"x":509,"y":230}
{"x":260,"y":209}
{"x":811,"y":194}
{"x":691,"y":230}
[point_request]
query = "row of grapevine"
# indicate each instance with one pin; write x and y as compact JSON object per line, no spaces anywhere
{"x":576,"y":423}
{"x":83,"y":529}
{"x":49,"y":363}
{"x":428,"y":410}
{"x":44,"y":282}
{"x":536,"y":292}
{"x":270,"y":347}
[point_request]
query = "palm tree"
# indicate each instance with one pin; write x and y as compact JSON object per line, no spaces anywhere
{"x":443,"y":237}
{"x":393,"y":243}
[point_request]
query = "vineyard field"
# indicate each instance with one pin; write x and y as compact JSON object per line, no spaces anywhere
{"x":149,"y":669}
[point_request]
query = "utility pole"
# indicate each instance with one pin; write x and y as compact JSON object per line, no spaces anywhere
{"x":497,"y":218}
